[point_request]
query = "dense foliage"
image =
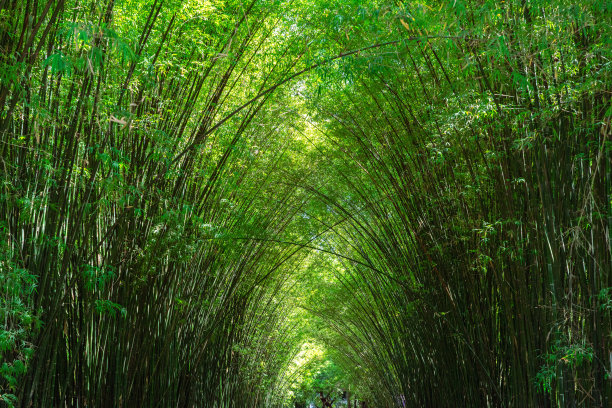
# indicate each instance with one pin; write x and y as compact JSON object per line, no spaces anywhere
{"x":227,"y":203}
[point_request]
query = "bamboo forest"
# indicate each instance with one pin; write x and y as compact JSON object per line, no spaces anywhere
{"x":305,"y":203}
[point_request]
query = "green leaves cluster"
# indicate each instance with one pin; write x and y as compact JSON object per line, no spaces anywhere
{"x":19,"y":319}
